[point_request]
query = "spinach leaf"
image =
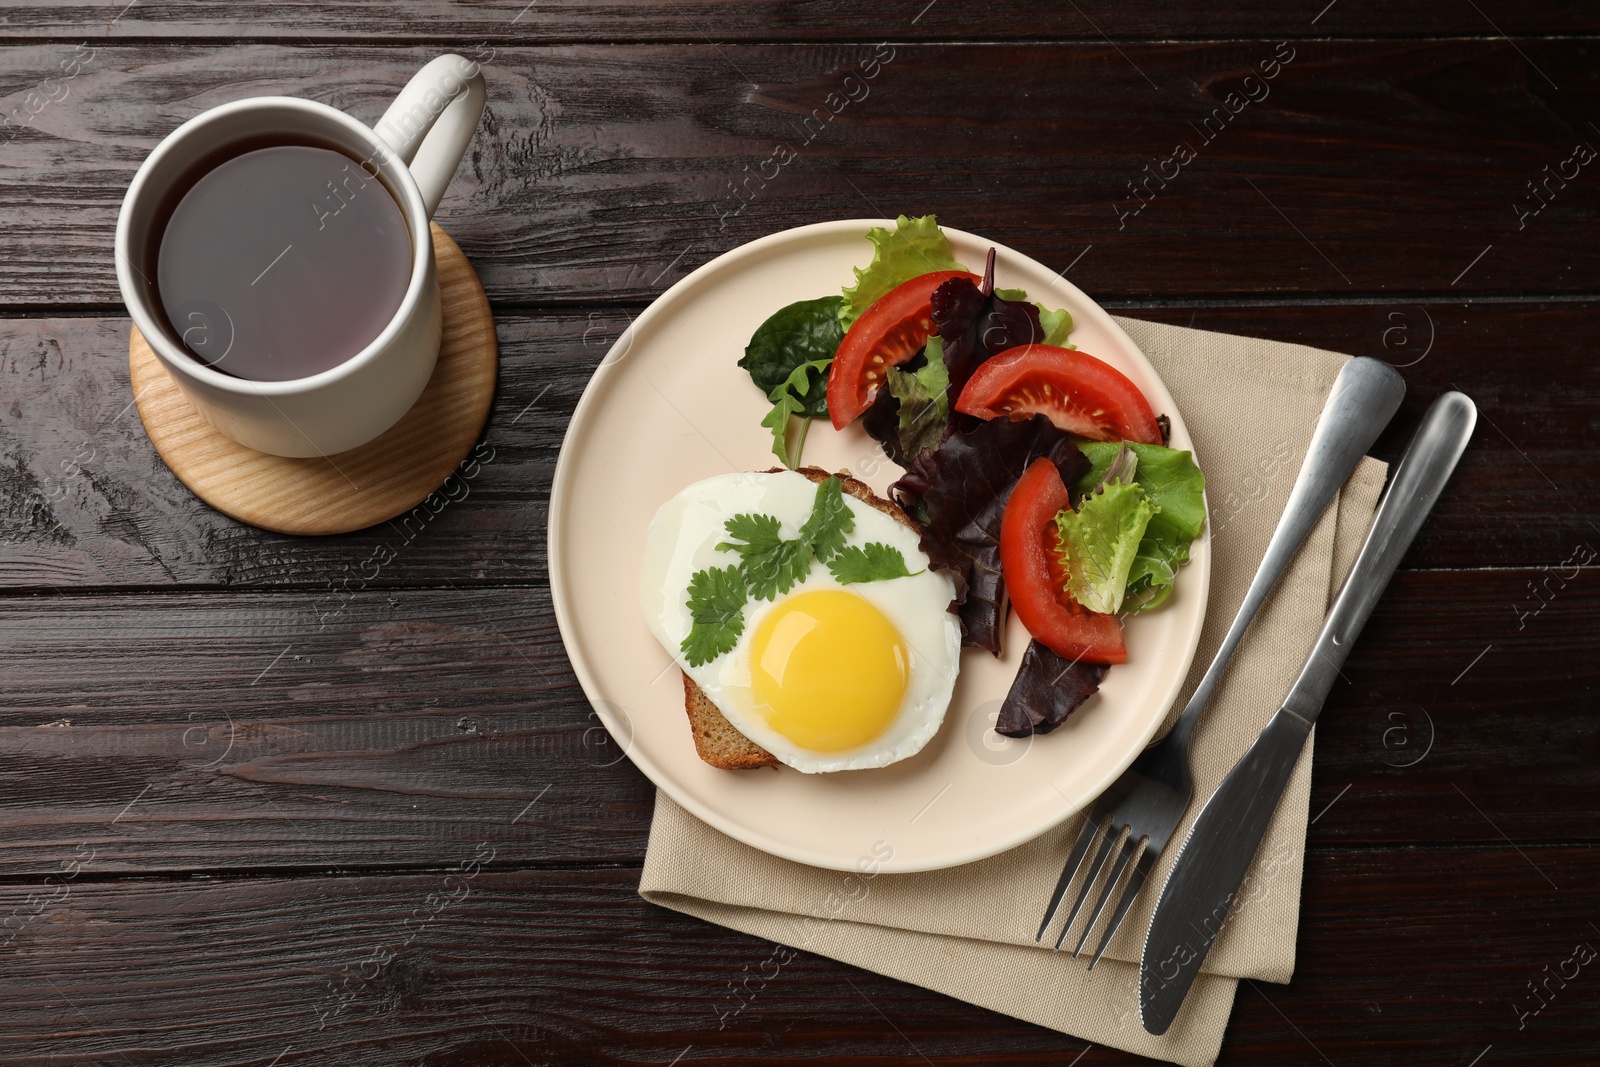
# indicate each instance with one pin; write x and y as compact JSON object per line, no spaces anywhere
{"x":807,"y":332}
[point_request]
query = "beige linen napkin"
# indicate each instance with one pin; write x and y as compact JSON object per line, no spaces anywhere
{"x":1250,"y":406}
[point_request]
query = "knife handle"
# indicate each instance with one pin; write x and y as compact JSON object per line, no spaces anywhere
{"x":1365,"y":396}
{"x":1418,"y":480}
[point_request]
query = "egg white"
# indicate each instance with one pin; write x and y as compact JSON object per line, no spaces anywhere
{"x":682,"y":539}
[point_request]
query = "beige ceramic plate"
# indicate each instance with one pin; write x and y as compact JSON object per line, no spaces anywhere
{"x":668,"y":407}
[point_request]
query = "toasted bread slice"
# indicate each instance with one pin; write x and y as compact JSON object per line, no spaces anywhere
{"x":716,"y":739}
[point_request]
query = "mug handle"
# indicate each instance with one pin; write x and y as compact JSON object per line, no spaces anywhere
{"x":431,"y":122}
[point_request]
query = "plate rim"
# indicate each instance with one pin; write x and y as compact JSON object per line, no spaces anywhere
{"x":600,"y":706}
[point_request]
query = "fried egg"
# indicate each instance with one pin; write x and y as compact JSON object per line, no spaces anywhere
{"x":827,"y":676}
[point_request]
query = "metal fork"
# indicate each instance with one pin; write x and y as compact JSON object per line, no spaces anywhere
{"x":1142,"y":807}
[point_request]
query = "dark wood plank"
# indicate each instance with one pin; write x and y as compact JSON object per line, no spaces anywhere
{"x":243,"y":730}
{"x":239,"y":730}
{"x":696,"y":21}
{"x":1466,"y":713}
{"x":1401,"y":954}
{"x":609,"y":172}
{"x":85,"y":501}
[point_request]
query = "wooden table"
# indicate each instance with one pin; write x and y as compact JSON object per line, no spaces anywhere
{"x":247,"y":779}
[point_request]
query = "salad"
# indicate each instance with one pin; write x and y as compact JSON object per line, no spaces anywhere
{"x":1039,"y":476}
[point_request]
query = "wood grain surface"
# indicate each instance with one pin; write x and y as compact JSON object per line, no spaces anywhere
{"x":703,"y":21}
{"x":1376,"y":169}
{"x":467,"y":964}
{"x":381,"y":480}
{"x":268,"y":800}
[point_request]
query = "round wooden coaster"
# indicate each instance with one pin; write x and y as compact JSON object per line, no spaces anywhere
{"x":383,"y":478}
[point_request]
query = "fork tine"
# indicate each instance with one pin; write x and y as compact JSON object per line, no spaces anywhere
{"x":1145,"y":858}
{"x":1079,"y":852}
{"x":1105,"y":894}
{"x":1112,"y":833}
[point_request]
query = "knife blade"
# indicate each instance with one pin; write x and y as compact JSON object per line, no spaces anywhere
{"x":1204,"y":881}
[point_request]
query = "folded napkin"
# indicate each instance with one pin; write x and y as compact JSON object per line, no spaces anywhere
{"x":1250,"y":406}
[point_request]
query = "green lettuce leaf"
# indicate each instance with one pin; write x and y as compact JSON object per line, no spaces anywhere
{"x":913,"y":247}
{"x":1169,"y":478}
{"x":1100,"y":541}
{"x":1174,"y":486}
{"x":924,"y":405}
{"x":1154,"y":569}
{"x":1057,"y":325}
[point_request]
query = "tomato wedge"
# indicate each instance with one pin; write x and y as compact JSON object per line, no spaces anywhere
{"x":1030,"y":561}
{"x":1077,"y":392}
{"x":889,"y":332}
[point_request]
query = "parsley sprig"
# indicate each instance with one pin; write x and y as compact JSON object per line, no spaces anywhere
{"x":770,"y":565}
{"x":874,"y":562}
{"x":716,"y":603}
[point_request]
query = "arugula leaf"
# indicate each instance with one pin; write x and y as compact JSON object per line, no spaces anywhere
{"x":1099,"y":542}
{"x":789,"y":399}
{"x":806,"y":333}
{"x":830,"y":522}
{"x":777,"y":420}
{"x":914,"y":247}
{"x":716,"y":603}
{"x":924,"y":408}
{"x":876,"y":562}
{"x":771,"y":565}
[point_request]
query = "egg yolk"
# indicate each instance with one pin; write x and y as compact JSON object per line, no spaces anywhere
{"x":829,"y":670}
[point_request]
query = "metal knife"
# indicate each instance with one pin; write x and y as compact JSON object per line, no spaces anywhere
{"x":1205,"y":879}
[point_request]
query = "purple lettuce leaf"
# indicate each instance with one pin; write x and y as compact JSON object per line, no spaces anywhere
{"x":974,"y":324}
{"x":882,"y":423}
{"x":959,"y":491}
{"x":1046,"y":690}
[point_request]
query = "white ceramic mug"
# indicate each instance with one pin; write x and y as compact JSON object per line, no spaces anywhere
{"x":414,"y":150}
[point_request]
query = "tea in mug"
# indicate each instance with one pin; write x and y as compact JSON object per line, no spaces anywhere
{"x":282,"y":261}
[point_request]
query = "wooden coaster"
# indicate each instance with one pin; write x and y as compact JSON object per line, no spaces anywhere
{"x":355,"y":489}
